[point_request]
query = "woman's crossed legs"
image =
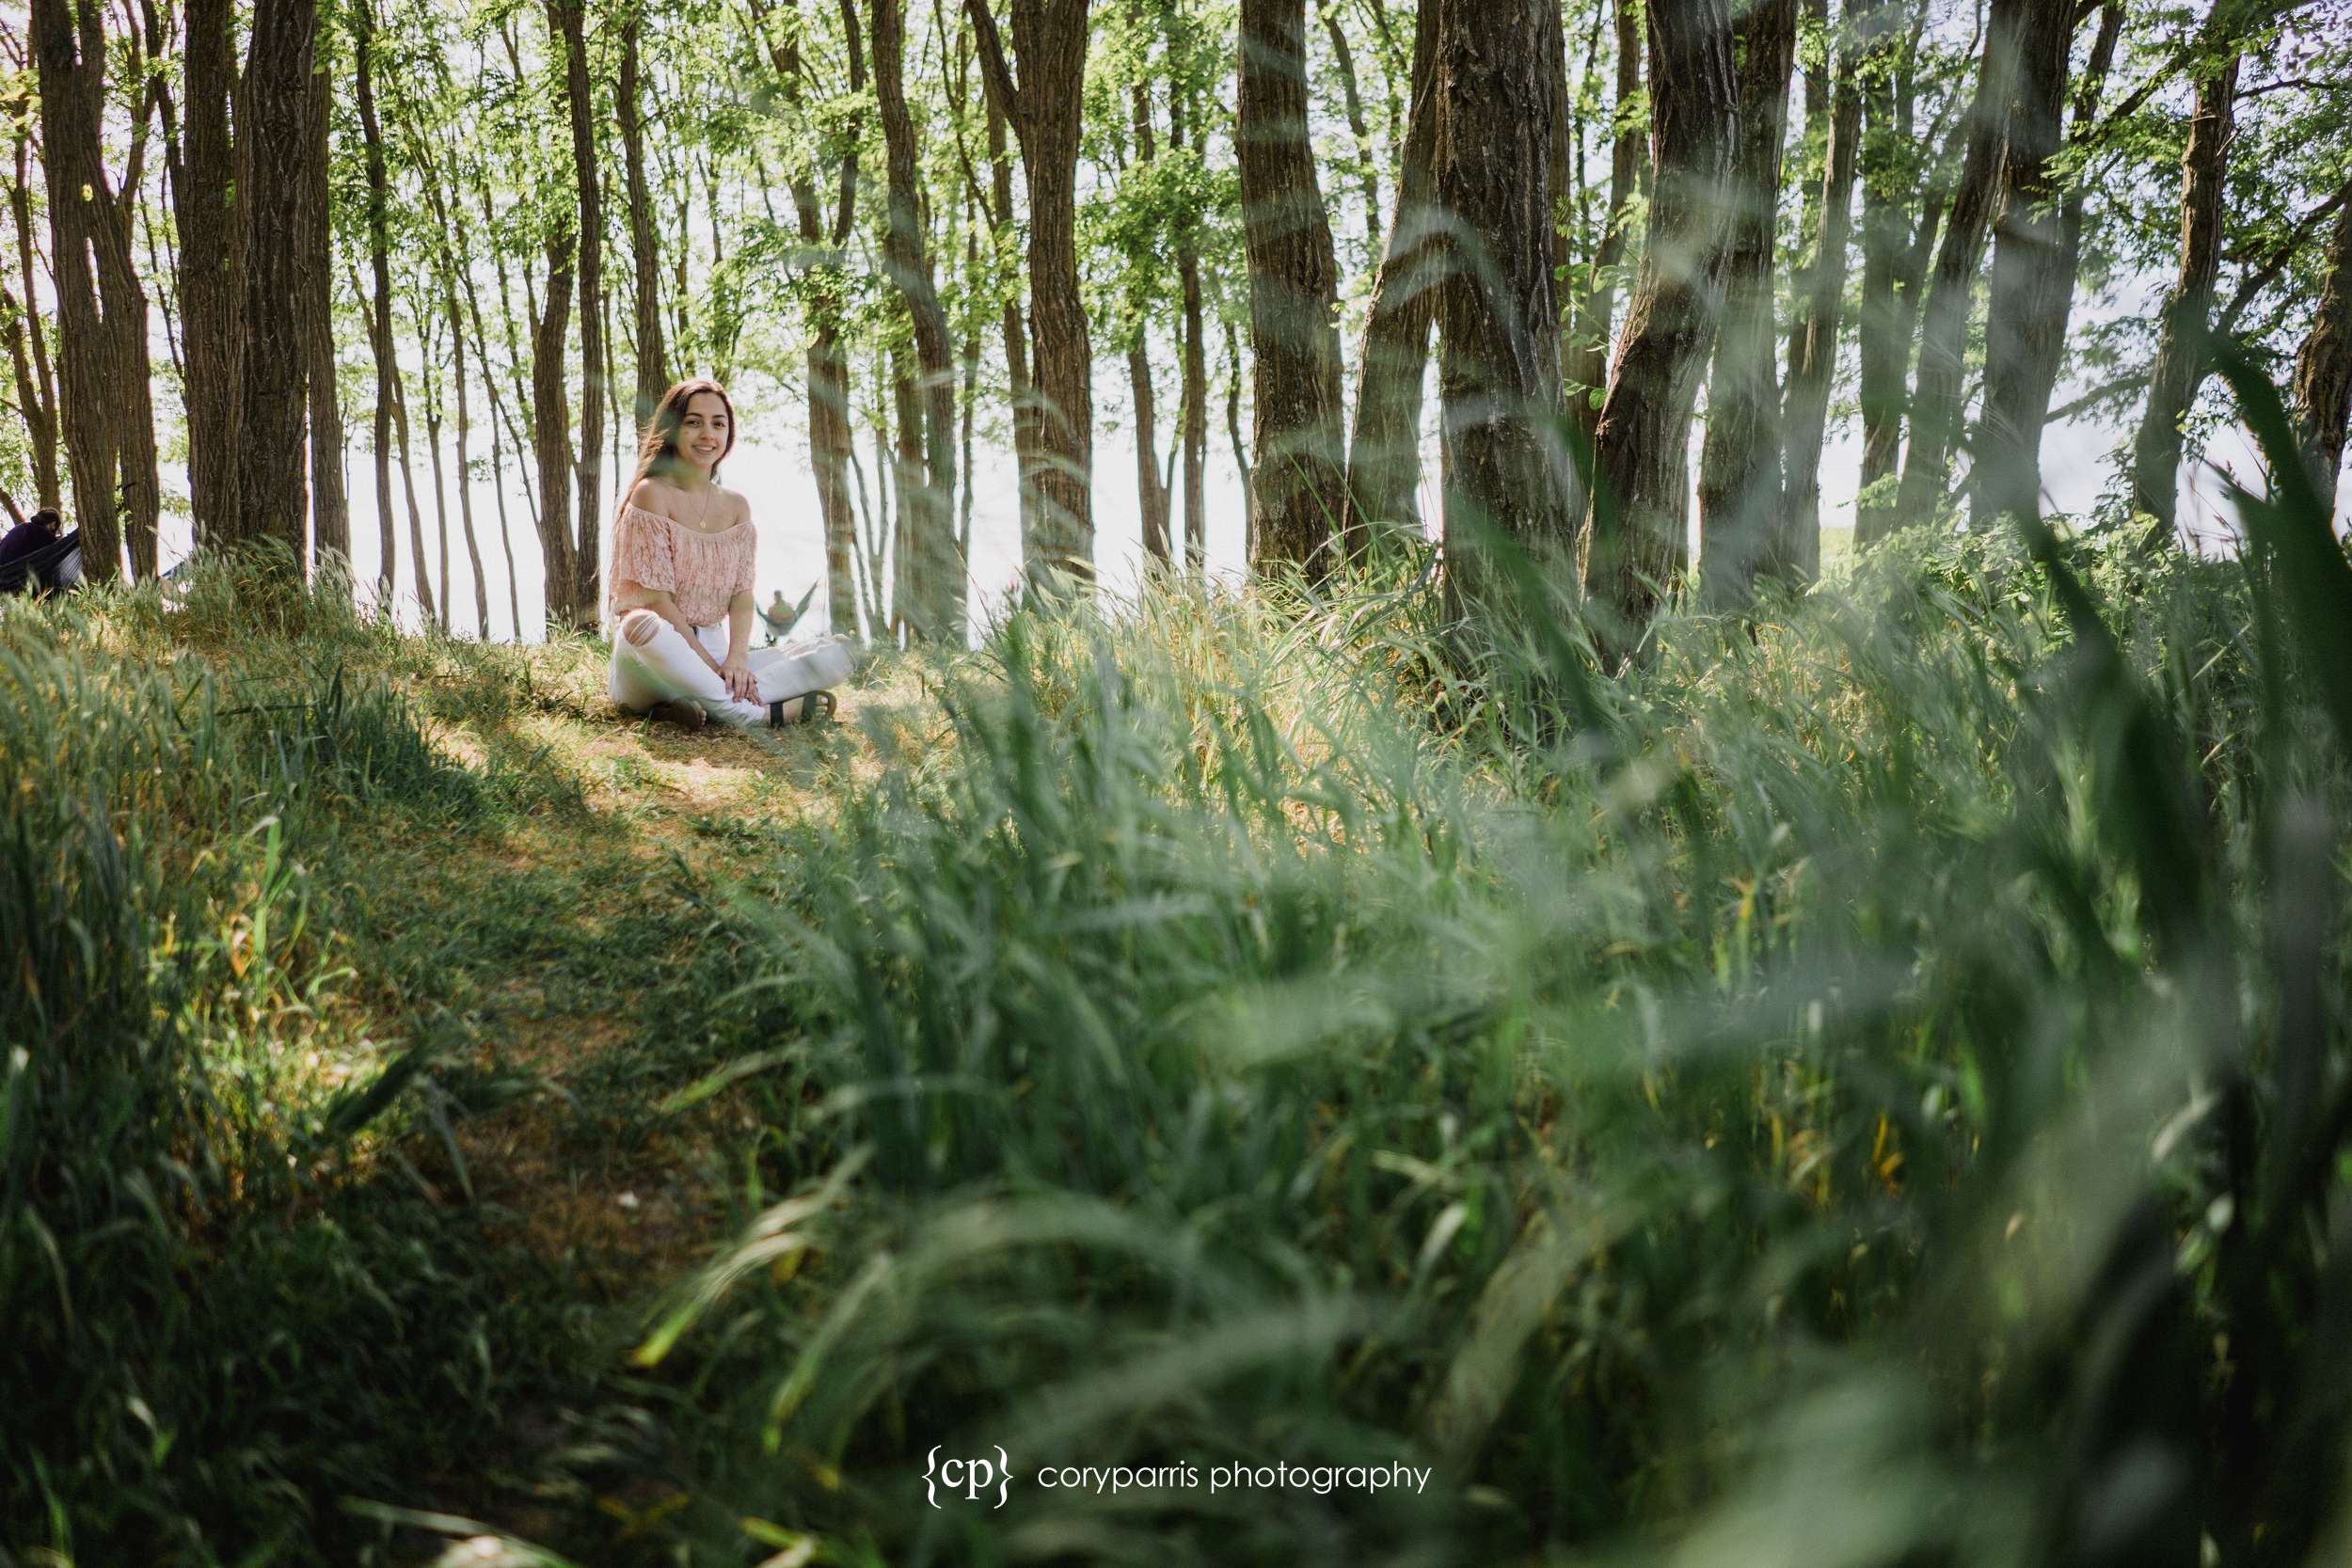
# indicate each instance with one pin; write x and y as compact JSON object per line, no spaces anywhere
{"x":652,"y":664}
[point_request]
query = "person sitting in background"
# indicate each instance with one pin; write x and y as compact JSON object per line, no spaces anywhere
{"x":37,"y":554}
{"x":779,"y":618}
{"x":683,"y":551}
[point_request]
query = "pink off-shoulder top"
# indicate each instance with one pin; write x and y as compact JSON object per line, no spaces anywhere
{"x":700,"y":571}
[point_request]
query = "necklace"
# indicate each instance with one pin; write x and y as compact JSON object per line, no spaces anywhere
{"x":703,"y":515}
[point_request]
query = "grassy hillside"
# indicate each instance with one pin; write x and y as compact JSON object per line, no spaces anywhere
{"x":1868,"y":1086}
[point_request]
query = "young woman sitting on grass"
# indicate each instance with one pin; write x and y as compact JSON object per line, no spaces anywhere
{"x":683,"y":551}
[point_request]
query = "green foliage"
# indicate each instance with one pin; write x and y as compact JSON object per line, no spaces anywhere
{"x":1742,"y":1134}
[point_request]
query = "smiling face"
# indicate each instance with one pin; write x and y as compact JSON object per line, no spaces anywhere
{"x":705,"y":432}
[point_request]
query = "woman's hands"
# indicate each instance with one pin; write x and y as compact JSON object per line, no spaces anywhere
{"x":741,"y":684}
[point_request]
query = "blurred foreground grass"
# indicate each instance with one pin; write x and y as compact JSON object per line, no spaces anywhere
{"x":1867,"y":1087}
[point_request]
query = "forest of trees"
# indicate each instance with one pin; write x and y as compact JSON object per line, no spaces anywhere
{"x":258,"y":244}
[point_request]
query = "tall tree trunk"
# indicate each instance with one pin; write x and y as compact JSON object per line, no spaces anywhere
{"x":1194,"y":432}
{"x":652,"y":360}
{"x":1887,"y":310}
{"x":2015,"y":31}
{"x":931,"y":567}
{"x":1384,"y":446}
{"x":274,"y":395}
{"x":2181,"y":348}
{"x":1233,"y":430}
{"x":2323,"y":367}
{"x":1586,"y":368}
{"x":29,"y":352}
{"x":205,"y":192}
{"x":445,"y":600}
{"x":1739,"y":476}
{"x":551,"y":428}
{"x":1028,"y":438}
{"x":831,"y":451}
{"x":2033,"y":281}
{"x":1151,"y":493}
{"x":100,"y":406}
{"x":2032,"y":303}
{"x":1049,"y":40}
{"x":577,"y":606}
{"x":1793,"y":549}
{"x":380,"y":302}
{"x":1352,"y":95}
{"x":330,"y":502}
{"x":1498,"y":82}
{"x":427,"y":600}
{"x":1634,"y":544}
{"x":1294,"y":295}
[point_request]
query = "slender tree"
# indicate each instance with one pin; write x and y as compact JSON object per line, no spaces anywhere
{"x":1043,"y":105}
{"x":1585,"y":369}
{"x":2036,"y":262}
{"x":379,"y":298}
{"x":330,"y":501}
{"x":932,"y":568}
{"x":2181,"y":348}
{"x":211,"y":305}
{"x":273,"y":393}
{"x":2323,"y":365}
{"x":652,"y":360}
{"x":1384,"y":446}
{"x":1193,"y":435}
{"x":573,"y":601}
{"x":2020,"y":38}
{"x":28,"y":350}
{"x":1793,"y":548}
{"x":1633,"y":539}
{"x":1297,"y":463}
{"x":1499,"y":81}
{"x":1740,"y":473}
{"x":102,"y":310}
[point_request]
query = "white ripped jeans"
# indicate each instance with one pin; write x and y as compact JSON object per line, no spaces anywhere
{"x":653,"y":663}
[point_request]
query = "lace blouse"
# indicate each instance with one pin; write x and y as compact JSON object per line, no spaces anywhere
{"x":700,"y":571}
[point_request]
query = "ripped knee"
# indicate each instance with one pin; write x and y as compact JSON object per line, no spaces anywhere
{"x":639,"y":627}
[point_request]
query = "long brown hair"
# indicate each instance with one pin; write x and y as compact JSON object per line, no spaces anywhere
{"x":656,"y":450}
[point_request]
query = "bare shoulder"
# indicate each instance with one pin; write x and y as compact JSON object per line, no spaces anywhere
{"x":739,"y":506}
{"x":651,"y":495}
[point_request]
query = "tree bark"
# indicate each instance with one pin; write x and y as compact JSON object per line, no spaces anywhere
{"x":1889,"y":306}
{"x":330,"y":502}
{"x":1028,"y":438}
{"x":1498,"y":85}
{"x":1194,"y":434}
{"x":576,"y":607}
{"x":380,"y":304}
{"x":2032,"y":286}
{"x":823,"y":289}
{"x":28,"y":351}
{"x":2016,"y":31}
{"x":1633,"y":546}
{"x":931,"y":567}
{"x":274,"y":388}
{"x":1739,"y":476}
{"x":2322,"y":368}
{"x":2181,"y":348}
{"x":102,"y":313}
{"x":1049,"y":38}
{"x":1297,"y":462}
{"x":1151,"y":493}
{"x":1352,"y":95}
{"x":1794,"y":549}
{"x":653,"y":359}
{"x":1585,"y":369}
{"x":205,"y":192}
{"x":2019,"y":387}
{"x":551,"y":427}
{"x":1384,"y":447}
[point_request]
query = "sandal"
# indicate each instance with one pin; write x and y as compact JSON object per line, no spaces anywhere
{"x":817,"y":707}
{"x":686,"y":716}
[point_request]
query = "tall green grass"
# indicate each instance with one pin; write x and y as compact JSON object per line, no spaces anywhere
{"x":218,"y":1324}
{"x":1870,"y":1087}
